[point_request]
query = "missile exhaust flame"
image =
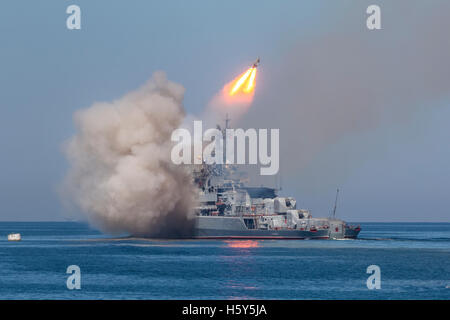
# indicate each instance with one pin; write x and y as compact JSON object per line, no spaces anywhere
{"x":235,"y":98}
{"x":244,"y":83}
{"x":240,"y":82}
{"x":251,"y":81}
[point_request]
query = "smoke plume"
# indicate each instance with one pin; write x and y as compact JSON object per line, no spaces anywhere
{"x":121,"y":174}
{"x":349,"y":81}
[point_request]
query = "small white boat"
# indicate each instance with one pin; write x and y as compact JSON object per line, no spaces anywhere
{"x":14,"y":237}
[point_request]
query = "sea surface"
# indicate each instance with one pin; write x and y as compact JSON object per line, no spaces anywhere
{"x":414,"y":260}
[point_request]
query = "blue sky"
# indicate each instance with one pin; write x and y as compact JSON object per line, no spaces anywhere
{"x":48,"y":72}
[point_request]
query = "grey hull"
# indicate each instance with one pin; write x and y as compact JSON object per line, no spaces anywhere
{"x":351,"y":233}
{"x":211,"y":227}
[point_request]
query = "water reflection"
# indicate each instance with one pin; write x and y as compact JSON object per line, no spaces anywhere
{"x":242,"y":244}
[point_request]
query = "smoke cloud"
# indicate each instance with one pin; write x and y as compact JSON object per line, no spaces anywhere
{"x":349,"y":80}
{"x":120,"y":172}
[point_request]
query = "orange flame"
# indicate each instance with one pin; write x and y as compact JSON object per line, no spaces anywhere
{"x":251,"y":81}
{"x":245,"y":83}
{"x":237,"y":95}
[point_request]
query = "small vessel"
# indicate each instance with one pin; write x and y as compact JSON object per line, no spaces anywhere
{"x":14,"y":237}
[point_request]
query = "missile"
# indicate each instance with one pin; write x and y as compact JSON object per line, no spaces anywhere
{"x":256,"y":63}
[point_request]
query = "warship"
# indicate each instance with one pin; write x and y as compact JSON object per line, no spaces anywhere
{"x":227,"y":208}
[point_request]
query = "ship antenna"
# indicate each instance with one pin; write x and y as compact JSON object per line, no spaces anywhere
{"x":227,"y":122}
{"x":224,"y":133}
{"x":335,"y":203}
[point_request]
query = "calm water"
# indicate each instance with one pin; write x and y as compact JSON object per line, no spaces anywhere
{"x":414,"y":261}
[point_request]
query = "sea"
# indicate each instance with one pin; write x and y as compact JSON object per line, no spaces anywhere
{"x":413,"y":260}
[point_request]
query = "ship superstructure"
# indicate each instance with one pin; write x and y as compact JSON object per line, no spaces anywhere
{"x":230,"y":209}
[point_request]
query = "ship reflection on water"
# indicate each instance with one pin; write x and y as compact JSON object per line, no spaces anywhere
{"x":239,"y":260}
{"x":242,"y":244}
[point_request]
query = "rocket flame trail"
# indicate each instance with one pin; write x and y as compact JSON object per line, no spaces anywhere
{"x":251,"y":81}
{"x":235,"y":98}
{"x":247,"y":78}
{"x":240,"y":82}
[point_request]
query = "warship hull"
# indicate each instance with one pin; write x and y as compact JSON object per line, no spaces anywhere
{"x":219,"y":227}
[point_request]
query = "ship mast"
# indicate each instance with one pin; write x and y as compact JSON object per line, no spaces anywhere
{"x":227,"y":122}
{"x":335,"y":203}
{"x":224,"y":134}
